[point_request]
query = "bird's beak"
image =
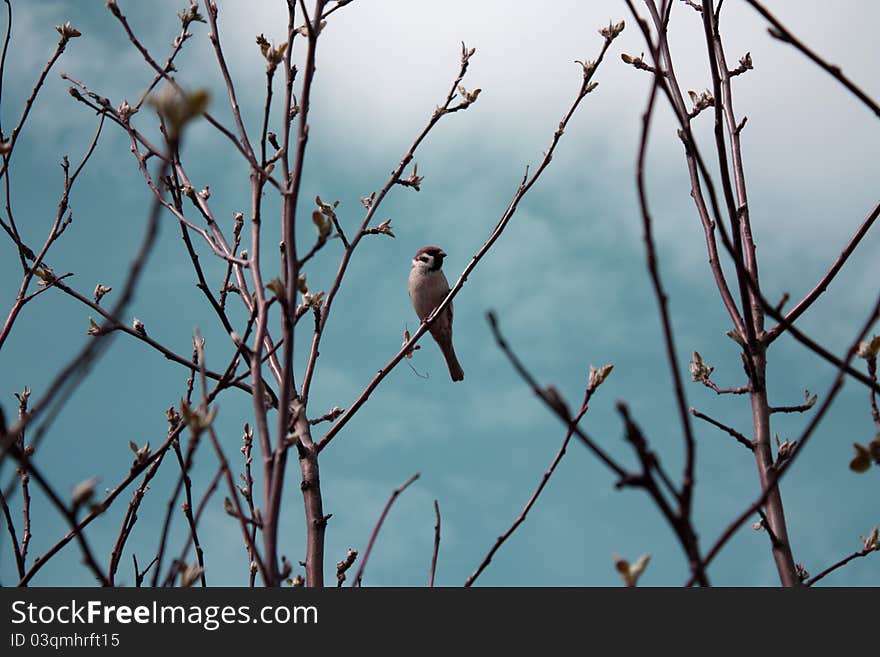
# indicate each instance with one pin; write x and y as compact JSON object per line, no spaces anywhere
{"x":442,"y":253}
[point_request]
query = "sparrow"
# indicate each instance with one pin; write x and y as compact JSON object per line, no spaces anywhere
{"x":427,"y":289}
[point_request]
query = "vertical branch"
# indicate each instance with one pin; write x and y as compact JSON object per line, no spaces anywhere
{"x":211,"y":10}
{"x":185,"y":466}
{"x":776,"y":473}
{"x":436,"y":544}
{"x":248,"y":493}
{"x":734,"y":212}
{"x":26,"y":452}
{"x":5,"y":50}
{"x":256,"y":366}
{"x":750,"y":290}
{"x":669,"y":85}
{"x":875,"y":410}
{"x":291,"y":413}
{"x":192,"y":538}
{"x":663,"y":302}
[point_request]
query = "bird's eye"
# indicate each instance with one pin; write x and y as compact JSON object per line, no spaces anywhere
{"x":423,"y":258}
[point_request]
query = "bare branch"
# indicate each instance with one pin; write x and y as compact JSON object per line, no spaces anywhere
{"x":397,"y":491}
{"x":591,"y":388}
{"x":10,"y":526}
{"x":741,"y":439}
{"x":780,"y":32}
{"x":823,"y":284}
{"x":436,"y":544}
{"x":864,"y":552}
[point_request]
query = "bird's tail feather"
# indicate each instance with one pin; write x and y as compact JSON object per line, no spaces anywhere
{"x":452,"y":363}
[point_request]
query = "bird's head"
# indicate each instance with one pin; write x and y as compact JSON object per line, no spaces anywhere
{"x":429,"y":258}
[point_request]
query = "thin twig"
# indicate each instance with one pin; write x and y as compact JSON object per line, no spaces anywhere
{"x":397,"y":491}
{"x":864,"y":552}
{"x":140,"y":574}
{"x":741,"y":390}
{"x":554,"y":404}
{"x":29,"y":103}
{"x":741,"y":439}
{"x":782,"y":33}
{"x":534,"y":498}
{"x":185,"y":467}
{"x":130,"y":519}
{"x":823,"y":284}
{"x":436,"y":544}
{"x":203,"y":504}
{"x":10,"y":525}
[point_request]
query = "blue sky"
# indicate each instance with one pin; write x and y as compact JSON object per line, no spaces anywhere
{"x":567,"y":280}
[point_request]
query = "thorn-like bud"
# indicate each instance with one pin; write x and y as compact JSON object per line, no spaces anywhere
{"x":179,"y":108}
{"x":872,"y":542}
{"x":67,"y":31}
{"x":701,"y":101}
{"x":172,"y":416}
{"x":125,"y":111}
{"x":324,"y":218}
{"x":84,"y":491}
{"x":598,"y":376}
{"x":46,"y":275}
{"x":94,"y":328}
{"x":613,"y":30}
{"x":699,"y":370}
{"x":100,"y":291}
{"x":190,"y":15}
{"x":190,"y":575}
{"x":869,"y":350}
{"x":734,"y":335}
{"x":588,"y":65}
{"x":197,"y":419}
{"x":414,"y":180}
{"x":141,"y":454}
{"x":384,"y":228}
{"x":631,"y":572}
{"x":406,"y":338}
{"x":273,"y":55}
